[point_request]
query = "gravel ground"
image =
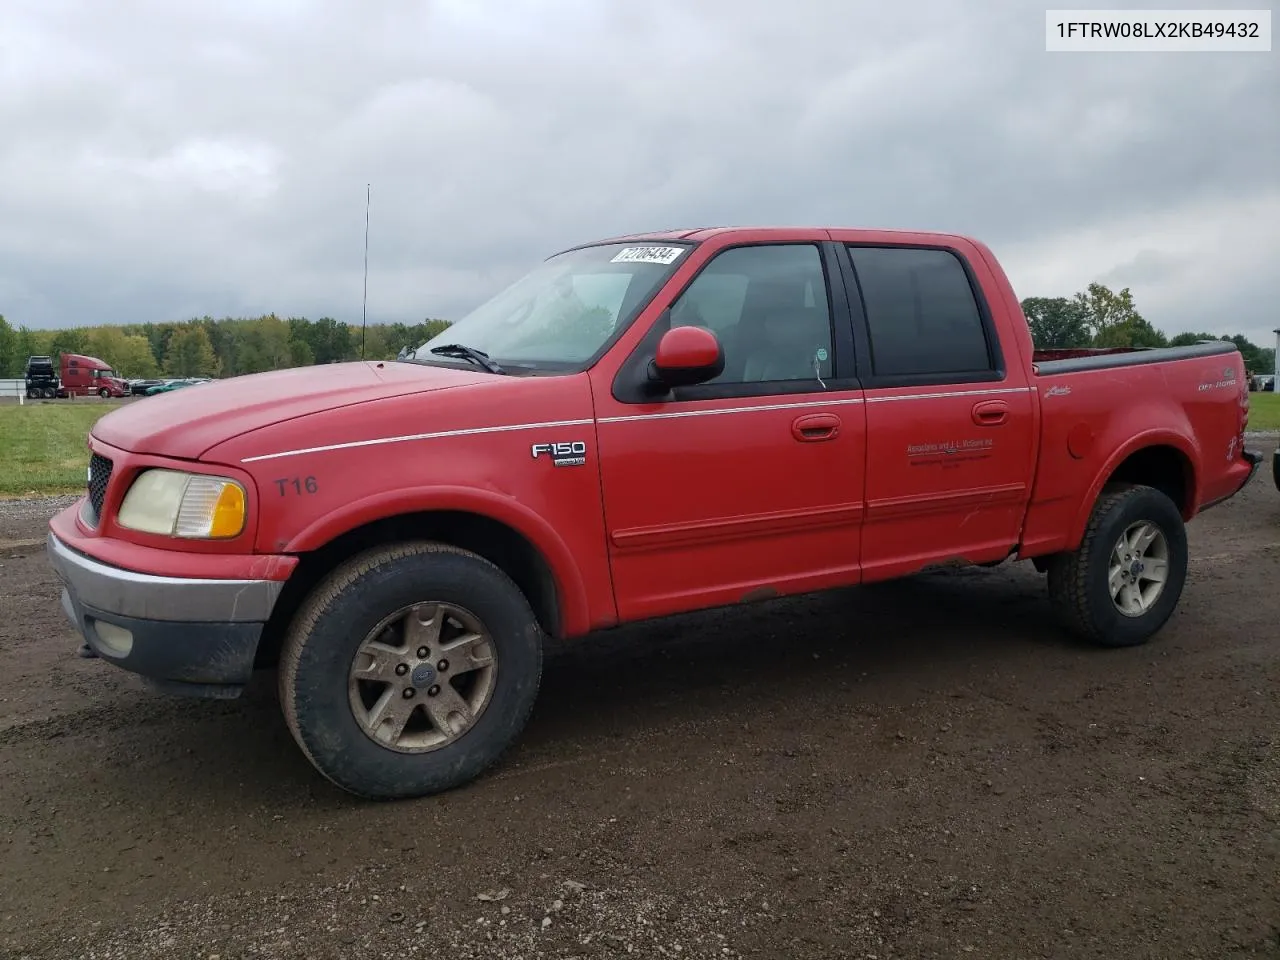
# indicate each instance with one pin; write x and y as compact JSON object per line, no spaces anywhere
{"x":923,"y":769}
{"x":25,"y":519}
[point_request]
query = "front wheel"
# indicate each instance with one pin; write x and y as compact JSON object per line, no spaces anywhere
{"x":1123,"y":582}
{"x":409,"y":670}
{"x":104,"y":393}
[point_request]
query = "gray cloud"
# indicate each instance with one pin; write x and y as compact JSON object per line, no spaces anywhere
{"x":163,"y":160}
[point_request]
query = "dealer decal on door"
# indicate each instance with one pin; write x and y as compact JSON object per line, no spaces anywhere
{"x":951,"y":451}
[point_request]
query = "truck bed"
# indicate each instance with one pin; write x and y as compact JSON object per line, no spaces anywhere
{"x":1098,"y":407}
{"x":1077,"y":359}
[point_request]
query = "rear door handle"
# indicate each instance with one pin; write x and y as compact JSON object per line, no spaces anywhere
{"x":815,"y":426}
{"x":990,"y":413}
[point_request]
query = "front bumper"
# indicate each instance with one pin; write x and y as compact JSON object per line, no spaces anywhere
{"x":186,"y":635}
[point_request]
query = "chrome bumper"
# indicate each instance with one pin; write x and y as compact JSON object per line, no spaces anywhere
{"x":145,"y":596}
{"x":194,"y":637}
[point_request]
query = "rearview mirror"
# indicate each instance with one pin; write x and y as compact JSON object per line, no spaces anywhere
{"x":685,"y":356}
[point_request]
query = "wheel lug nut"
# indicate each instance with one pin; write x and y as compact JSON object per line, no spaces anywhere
{"x":423,"y":653}
{"x":408,"y":693}
{"x":401,"y":669}
{"x":442,"y":666}
{"x":433,"y":690}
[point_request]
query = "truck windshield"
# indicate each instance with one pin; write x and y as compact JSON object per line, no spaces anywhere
{"x":559,"y":315}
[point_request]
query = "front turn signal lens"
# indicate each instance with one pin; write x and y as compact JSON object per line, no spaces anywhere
{"x":212,"y":508}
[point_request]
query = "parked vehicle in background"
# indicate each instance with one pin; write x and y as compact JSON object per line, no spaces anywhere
{"x":167,"y":386}
{"x":41,"y":378}
{"x":83,"y":376}
{"x":639,"y":427}
{"x":139,"y":387}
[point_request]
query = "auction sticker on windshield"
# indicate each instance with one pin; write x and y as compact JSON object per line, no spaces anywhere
{"x":662,"y":255}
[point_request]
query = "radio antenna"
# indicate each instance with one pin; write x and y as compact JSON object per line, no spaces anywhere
{"x":364,"y":304}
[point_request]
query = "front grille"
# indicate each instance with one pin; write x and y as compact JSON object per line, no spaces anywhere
{"x":99,"y":476}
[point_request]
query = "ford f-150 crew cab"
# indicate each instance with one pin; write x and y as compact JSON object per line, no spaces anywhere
{"x":638,"y":427}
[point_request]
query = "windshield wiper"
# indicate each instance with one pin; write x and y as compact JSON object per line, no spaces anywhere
{"x":478,"y":357}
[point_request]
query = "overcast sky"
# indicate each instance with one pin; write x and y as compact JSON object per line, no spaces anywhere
{"x":163,"y":160}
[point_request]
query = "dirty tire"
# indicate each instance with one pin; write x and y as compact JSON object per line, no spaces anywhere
{"x":332,"y":624}
{"x":1078,"y":581}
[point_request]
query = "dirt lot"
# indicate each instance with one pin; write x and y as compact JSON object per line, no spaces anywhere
{"x":923,"y":769}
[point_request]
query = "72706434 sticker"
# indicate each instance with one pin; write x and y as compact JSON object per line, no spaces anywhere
{"x":663,"y":255}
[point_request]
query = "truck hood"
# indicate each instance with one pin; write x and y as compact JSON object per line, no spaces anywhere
{"x":186,"y":422}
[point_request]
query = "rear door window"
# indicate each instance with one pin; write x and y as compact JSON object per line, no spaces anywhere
{"x":922,"y":315}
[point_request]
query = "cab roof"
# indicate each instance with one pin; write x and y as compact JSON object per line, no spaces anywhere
{"x":700,"y":234}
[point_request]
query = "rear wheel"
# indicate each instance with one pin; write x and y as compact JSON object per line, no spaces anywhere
{"x":409,"y":670}
{"x":1124,"y":581}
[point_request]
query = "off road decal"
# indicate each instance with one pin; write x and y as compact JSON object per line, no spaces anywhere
{"x":1228,"y":380}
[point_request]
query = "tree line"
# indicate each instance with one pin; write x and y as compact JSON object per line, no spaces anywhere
{"x":205,"y":347}
{"x":1101,"y":317}
{"x":227,"y":347}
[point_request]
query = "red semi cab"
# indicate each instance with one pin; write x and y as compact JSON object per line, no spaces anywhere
{"x":82,"y":376}
{"x":638,"y":427}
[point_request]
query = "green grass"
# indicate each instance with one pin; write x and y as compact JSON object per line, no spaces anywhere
{"x":1264,"y":411}
{"x":42,"y":446}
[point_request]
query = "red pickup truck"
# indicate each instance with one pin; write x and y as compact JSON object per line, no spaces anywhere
{"x":638,"y":427}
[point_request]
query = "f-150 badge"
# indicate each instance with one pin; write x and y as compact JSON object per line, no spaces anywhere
{"x":572,"y":453}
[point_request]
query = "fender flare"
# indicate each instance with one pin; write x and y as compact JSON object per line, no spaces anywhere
{"x":570,"y":589}
{"x":1151,"y":438}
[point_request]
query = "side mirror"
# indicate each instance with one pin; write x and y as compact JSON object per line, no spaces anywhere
{"x":685,"y":356}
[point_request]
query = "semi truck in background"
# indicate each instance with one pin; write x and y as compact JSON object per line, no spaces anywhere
{"x":76,"y":376}
{"x":41,"y":378}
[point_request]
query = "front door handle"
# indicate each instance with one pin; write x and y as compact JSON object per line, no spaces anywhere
{"x":815,"y":426}
{"x":990,"y":413}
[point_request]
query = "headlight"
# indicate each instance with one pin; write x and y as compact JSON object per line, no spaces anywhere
{"x":176,"y":504}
